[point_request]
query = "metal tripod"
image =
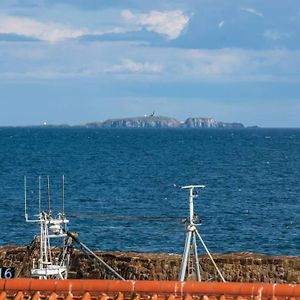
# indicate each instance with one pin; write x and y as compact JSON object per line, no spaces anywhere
{"x":190,"y":253}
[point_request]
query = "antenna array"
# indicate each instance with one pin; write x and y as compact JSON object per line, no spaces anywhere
{"x":52,"y":226}
{"x":55,"y":226}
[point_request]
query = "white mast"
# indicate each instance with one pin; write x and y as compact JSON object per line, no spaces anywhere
{"x":190,"y":248}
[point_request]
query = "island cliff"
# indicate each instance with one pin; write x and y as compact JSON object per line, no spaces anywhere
{"x":209,"y":123}
{"x":163,"y":122}
{"x":142,"y":122}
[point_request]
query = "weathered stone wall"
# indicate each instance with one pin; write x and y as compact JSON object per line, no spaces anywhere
{"x":239,"y":267}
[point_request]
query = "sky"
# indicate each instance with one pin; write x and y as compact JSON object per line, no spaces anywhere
{"x":77,"y":61}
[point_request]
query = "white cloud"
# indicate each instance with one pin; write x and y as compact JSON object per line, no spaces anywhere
{"x":275,"y":35}
{"x":221,"y":24}
{"x":253,"y":11}
{"x":50,"y":32}
{"x":131,"y":66}
{"x":241,"y":65}
{"x":213,"y":64}
{"x":143,"y":63}
{"x":168,"y":23}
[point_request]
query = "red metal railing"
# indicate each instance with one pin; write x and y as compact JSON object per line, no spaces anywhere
{"x":35,"y":289}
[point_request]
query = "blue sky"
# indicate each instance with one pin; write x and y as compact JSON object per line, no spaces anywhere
{"x":76,"y":61}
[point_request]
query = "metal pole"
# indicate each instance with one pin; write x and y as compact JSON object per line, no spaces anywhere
{"x":191,"y":205}
{"x":46,"y":241}
{"x":102,"y":261}
{"x":41,"y":244}
{"x":25,"y":198}
{"x":196,"y":259}
{"x":39,"y":194}
{"x":48,"y":190}
{"x":185,"y":256}
{"x":63,"y":195}
{"x":94,"y":255}
{"x":208,"y":253}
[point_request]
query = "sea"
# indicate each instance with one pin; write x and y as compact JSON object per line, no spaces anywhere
{"x":122,"y":186}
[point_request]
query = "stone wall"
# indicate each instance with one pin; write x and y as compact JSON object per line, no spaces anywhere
{"x":239,"y":267}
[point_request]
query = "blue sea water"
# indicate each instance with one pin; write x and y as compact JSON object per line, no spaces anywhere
{"x":121,"y":186}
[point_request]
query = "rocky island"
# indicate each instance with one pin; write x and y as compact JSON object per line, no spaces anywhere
{"x":163,"y":122}
{"x":209,"y":123}
{"x":143,"y":122}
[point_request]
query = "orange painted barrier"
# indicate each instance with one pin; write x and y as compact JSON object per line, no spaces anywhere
{"x":114,"y":289}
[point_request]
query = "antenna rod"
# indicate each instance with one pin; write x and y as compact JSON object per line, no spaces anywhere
{"x":39,"y":194}
{"x":25,"y":198}
{"x":63,"y":194}
{"x":191,"y":204}
{"x":48,"y":190}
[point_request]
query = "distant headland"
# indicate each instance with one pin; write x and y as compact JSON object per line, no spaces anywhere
{"x":152,"y":121}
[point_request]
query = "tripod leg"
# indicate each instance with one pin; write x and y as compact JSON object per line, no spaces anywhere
{"x":185,"y":256}
{"x":208,"y":253}
{"x":196,"y":259}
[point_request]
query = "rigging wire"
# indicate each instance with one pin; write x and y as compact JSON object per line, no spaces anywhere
{"x":127,"y":218}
